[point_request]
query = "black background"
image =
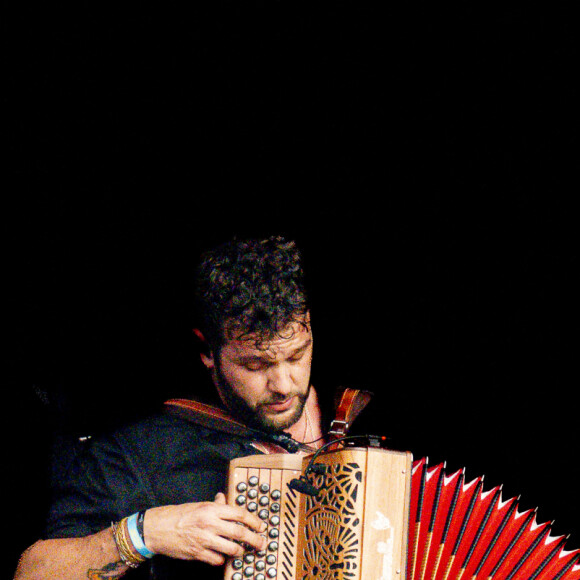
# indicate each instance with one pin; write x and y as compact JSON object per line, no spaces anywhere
{"x":423,"y":158}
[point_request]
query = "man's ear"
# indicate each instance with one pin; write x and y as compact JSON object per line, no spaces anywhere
{"x":205,"y":352}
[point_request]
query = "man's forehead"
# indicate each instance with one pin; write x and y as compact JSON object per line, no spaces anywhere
{"x":292,"y":337}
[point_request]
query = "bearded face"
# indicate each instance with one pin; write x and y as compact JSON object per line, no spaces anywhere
{"x":266,"y":386}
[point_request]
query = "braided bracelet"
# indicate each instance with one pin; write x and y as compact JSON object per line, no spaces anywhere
{"x":129,"y":555}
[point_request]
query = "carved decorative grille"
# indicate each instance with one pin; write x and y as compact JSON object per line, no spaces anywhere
{"x":332,"y":528}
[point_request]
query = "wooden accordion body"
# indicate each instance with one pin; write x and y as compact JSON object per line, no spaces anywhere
{"x":380,"y":516}
{"x":347,"y":531}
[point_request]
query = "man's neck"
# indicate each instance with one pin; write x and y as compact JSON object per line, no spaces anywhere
{"x":308,"y":429}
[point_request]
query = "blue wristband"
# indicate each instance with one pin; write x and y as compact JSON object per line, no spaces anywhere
{"x":136,"y":538}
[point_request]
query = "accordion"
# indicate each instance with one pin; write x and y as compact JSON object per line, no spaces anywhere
{"x":367,"y":513}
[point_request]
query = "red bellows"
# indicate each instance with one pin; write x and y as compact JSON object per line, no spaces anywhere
{"x":458,"y":531}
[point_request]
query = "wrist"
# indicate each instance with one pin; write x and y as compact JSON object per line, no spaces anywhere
{"x":127,"y":552}
{"x":153,"y":530}
{"x":128,"y":535}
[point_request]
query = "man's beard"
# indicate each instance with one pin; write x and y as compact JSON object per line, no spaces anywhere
{"x":258,"y":417}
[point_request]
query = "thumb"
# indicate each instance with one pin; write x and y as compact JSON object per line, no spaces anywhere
{"x":220,"y":498}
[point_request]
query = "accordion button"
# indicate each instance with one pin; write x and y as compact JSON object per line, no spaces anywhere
{"x":237,"y":576}
{"x":242,"y":486}
{"x":261,"y":553}
{"x":263,"y":514}
{"x":276,"y":494}
{"x":253,"y":494}
{"x":264,"y":500}
{"x":264,"y":488}
{"x":273,"y":533}
{"x":275,"y":507}
{"x":237,"y":564}
{"x":241,"y":500}
{"x":249,"y":558}
{"x":275,"y":520}
{"x":271,"y":559}
{"x":253,"y":480}
{"x":252,"y":506}
{"x":273,"y":546}
{"x":271,"y":573}
{"x":260,"y":577}
{"x":249,"y":571}
{"x":260,"y":565}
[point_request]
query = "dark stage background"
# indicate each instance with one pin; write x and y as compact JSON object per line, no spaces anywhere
{"x":423,"y":158}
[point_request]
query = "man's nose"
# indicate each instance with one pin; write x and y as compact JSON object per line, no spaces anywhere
{"x":280,"y":380}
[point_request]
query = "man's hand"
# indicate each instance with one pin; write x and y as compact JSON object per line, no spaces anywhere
{"x":208,"y":531}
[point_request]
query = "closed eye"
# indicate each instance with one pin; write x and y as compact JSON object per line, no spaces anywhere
{"x":256,"y":365}
{"x":299,"y":354}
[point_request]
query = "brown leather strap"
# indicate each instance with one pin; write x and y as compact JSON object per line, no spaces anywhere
{"x":350,"y":405}
{"x":218,"y":420}
{"x":207,"y":416}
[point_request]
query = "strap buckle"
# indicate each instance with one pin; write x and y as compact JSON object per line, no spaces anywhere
{"x":335,"y":429}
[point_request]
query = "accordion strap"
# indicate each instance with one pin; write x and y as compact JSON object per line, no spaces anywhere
{"x":218,"y":420}
{"x":350,"y":405}
{"x":207,"y":416}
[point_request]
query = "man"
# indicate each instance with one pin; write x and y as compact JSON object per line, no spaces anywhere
{"x":160,"y":481}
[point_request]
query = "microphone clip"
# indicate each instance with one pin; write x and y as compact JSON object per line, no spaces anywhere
{"x":302,"y":485}
{"x":284,"y":441}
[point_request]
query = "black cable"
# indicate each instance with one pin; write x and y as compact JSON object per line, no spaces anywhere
{"x":301,"y":484}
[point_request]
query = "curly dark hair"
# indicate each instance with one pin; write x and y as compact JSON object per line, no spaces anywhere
{"x":250,"y":287}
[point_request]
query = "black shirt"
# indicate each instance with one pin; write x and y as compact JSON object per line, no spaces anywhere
{"x":162,"y":460}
